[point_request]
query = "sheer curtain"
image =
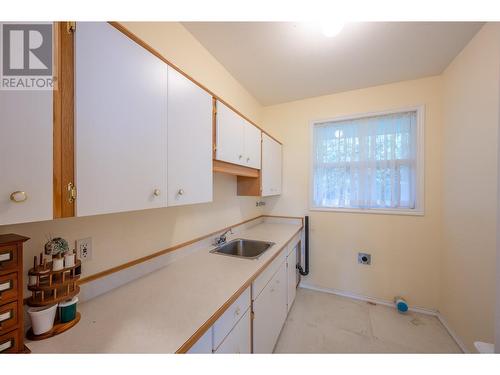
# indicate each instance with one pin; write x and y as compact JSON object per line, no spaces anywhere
{"x":366,"y":162}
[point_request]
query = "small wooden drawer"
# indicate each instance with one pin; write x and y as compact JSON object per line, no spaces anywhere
{"x":8,"y":287}
{"x":8,"y":316}
{"x":9,"y":342}
{"x":8,"y":257}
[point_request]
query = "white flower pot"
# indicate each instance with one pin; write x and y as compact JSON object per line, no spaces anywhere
{"x":57,"y":264}
{"x":69,"y":260}
{"x":42,"y":318}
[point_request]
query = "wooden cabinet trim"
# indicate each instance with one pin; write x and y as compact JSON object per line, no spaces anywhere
{"x":235,"y":169}
{"x":63,"y":107}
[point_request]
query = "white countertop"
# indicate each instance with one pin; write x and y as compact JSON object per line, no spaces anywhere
{"x":158,"y":313}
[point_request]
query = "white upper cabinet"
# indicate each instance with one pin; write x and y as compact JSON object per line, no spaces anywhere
{"x":25,"y":156}
{"x":230,"y":135}
{"x":189,"y":142}
{"x":252,"y":145}
{"x":120,"y":123}
{"x":238,"y":141}
{"x":271,"y":166}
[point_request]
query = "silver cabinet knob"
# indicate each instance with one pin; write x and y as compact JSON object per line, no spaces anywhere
{"x":156,"y":192}
{"x":18,"y":196}
{"x":248,"y":159}
{"x":180,"y":192}
{"x":240,"y":156}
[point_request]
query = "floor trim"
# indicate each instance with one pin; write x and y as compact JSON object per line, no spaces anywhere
{"x":452,"y":333}
{"x":388,"y":303}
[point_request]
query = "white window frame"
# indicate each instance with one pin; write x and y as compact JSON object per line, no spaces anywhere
{"x":420,"y":168}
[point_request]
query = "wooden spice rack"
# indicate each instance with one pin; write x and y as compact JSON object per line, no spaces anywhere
{"x":52,"y":287}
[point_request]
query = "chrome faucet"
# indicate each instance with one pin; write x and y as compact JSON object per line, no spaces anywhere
{"x":221,"y":240}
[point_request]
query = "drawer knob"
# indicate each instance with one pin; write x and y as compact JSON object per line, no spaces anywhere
{"x":240,"y":156}
{"x":237,"y":312}
{"x":18,"y":196}
{"x":180,"y":192}
{"x":156,"y":192}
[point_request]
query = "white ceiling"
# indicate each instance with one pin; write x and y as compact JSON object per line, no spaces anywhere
{"x":282,"y":61}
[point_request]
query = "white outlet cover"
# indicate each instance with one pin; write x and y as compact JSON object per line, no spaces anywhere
{"x":84,"y":248}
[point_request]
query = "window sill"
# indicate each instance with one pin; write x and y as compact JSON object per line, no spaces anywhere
{"x":370,"y":211}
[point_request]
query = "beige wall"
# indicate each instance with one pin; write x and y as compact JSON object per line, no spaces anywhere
{"x":470,"y":147}
{"x":118,"y":238}
{"x":405,"y":249}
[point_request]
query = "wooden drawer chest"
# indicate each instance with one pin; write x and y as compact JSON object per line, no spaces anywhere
{"x":11,"y":293}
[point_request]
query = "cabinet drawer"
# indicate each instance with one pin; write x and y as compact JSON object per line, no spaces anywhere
{"x":238,"y":340}
{"x":8,"y":257}
{"x":8,"y":316}
{"x":8,"y":287}
{"x":266,"y":275}
{"x":231,"y":316}
{"x":203,"y":345}
{"x":9,"y":342}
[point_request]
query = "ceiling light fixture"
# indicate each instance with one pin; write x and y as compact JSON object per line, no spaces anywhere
{"x":331,"y":28}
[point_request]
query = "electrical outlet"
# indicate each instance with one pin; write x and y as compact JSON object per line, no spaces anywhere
{"x":364,"y":258}
{"x":84,"y":248}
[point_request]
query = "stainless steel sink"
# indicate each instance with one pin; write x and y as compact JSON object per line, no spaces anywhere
{"x":242,"y":248}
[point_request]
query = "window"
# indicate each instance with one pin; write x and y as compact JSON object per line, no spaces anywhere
{"x":370,"y":162}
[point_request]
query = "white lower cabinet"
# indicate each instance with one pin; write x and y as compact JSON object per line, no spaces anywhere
{"x":238,"y":340}
{"x":224,"y":325}
{"x":231,"y":332}
{"x":291,"y":271}
{"x":203,"y":345}
{"x":270,"y":311}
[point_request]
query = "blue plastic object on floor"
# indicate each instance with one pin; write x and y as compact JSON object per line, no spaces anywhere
{"x":401,"y":304}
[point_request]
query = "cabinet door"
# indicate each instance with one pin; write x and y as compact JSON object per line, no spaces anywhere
{"x":291,"y":271}
{"x":271,"y":166}
{"x":203,"y":345}
{"x":25,"y":156}
{"x":230,"y":136}
{"x":189,"y":142}
{"x":270,"y":310}
{"x":252,"y":145}
{"x":238,"y":340}
{"x":120,"y":123}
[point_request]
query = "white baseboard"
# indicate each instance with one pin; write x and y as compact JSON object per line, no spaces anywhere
{"x":452,"y":333}
{"x":380,"y":301}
